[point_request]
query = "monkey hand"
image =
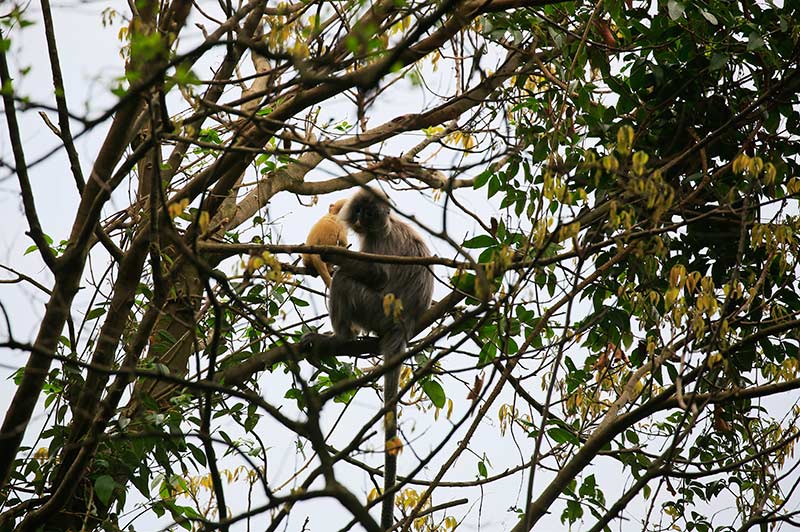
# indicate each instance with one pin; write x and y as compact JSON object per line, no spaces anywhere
{"x":316,"y":345}
{"x":309,"y":341}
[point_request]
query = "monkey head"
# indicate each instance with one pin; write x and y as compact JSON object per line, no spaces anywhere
{"x":334,"y":208}
{"x":367,"y":212}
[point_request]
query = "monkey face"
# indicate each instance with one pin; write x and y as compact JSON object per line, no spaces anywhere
{"x":367,"y":213}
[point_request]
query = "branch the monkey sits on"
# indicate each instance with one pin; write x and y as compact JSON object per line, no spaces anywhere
{"x":386,"y":299}
{"x":328,"y":231}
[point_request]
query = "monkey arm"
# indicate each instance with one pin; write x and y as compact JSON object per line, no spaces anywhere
{"x":342,"y":237}
{"x":373,"y":276}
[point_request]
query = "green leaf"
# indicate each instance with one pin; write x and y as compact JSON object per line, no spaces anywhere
{"x":480,"y":241}
{"x":482,"y":469}
{"x":435,"y":393}
{"x":561,"y":435}
{"x":188,"y":511}
{"x":299,"y":302}
{"x":482,"y":179}
{"x":754,"y":42}
{"x":197,"y":453}
{"x":104,"y":487}
{"x":675,"y":9}
{"x":251,"y":421}
{"x":551,"y":284}
{"x":297,"y":395}
{"x":588,"y":487}
{"x":95,"y":313}
{"x":718,"y":61}
{"x":487,"y":354}
{"x":494,"y":185}
{"x":572,"y":512}
{"x":709,"y":17}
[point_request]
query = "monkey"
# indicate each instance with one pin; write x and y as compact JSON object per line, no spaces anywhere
{"x":328,"y":231}
{"x":386,"y":299}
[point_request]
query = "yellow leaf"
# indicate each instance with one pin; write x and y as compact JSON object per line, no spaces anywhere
{"x":174,"y":210}
{"x":640,"y":159}
{"x":793,"y":186}
{"x":254,"y":263}
{"x":433,"y":130}
{"x":394,"y":446}
{"x":740,"y":163}
{"x":405,"y":375}
{"x":677,"y":276}
{"x":300,"y":49}
{"x":388,"y":303}
{"x":373,"y":494}
{"x":670,"y":296}
{"x":468,"y":141}
{"x":610,"y":163}
{"x":203,"y":221}
{"x":691,"y":281}
{"x":625,"y":139}
{"x":769,"y":173}
{"x":755,"y":166}
{"x":707,"y":284}
{"x":388,"y":419}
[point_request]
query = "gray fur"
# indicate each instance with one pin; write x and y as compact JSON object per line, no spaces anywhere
{"x":357,"y":295}
{"x":355,"y":305}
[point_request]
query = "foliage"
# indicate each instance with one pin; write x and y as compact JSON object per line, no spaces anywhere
{"x":612,"y":192}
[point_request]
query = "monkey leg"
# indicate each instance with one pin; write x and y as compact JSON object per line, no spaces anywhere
{"x":323,"y":270}
{"x":325,"y":274}
{"x":348,"y":303}
{"x":318,"y":267}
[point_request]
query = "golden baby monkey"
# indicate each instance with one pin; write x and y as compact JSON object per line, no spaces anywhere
{"x":328,"y":231}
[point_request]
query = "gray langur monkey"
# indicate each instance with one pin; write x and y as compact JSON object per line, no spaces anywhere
{"x":387,"y":299}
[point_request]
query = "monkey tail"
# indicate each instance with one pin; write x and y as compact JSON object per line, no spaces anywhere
{"x":391,"y":449}
{"x":392,"y":347}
